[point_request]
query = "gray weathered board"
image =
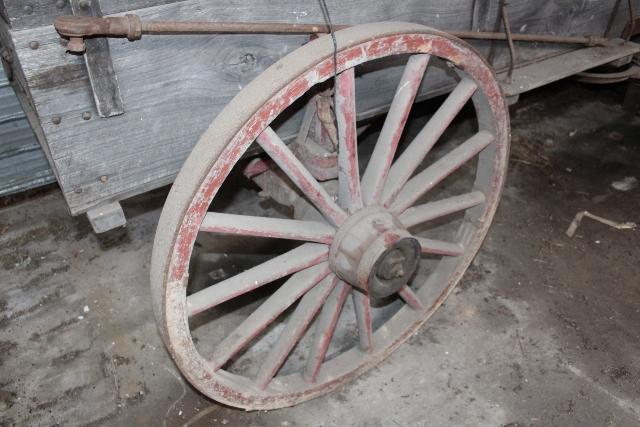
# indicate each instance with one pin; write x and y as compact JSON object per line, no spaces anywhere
{"x":22,"y":162}
{"x":173,"y":86}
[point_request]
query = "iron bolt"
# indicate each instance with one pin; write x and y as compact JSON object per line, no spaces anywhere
{"x":28,"y":9}
{"x":84,"y":4}
{"x":56,"y":120}
{"x":60,"y":4}
{"x":34,"y":45}
{"x":104,"y":178}
{"x":86,"y":115}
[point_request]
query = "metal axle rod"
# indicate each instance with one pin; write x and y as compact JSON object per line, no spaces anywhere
{"x":77,"y":28}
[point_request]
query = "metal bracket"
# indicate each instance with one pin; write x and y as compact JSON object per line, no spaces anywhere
{"x":97,"y":56}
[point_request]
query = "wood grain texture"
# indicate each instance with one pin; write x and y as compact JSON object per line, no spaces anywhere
{"x":23,"y":14}
{"x":97,"y":57}
{"x":22,"y":162}
{"x":173,"y":86}
{"x":3,"y":11}
{"x":537,"y":75}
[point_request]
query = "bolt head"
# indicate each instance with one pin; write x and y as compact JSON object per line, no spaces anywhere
{"x":104,"y":178}
{"x":84,"y":4}
{"x":56,"y":120}
{"x":28,"y":9}
{"x":60,"y":4}
{"x":86,"y":115}
{"x":34,"y":45}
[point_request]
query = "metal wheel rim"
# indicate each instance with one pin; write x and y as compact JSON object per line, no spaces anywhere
{"x":190,"y":198}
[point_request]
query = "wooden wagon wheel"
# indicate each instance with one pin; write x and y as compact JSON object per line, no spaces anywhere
{"x":365,"y":246}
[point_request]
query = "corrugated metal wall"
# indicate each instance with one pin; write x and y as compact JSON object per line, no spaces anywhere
{"x":23,"y":165}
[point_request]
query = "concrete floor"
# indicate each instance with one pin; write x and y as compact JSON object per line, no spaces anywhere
{"x":543,"y":329}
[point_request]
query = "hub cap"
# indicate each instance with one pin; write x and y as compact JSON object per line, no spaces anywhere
{"x":374,"y":252}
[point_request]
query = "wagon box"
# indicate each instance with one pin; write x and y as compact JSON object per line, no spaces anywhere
{"x":167,"y":89}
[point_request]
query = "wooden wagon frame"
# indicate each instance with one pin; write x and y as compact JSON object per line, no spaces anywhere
{"x":166,"y":81}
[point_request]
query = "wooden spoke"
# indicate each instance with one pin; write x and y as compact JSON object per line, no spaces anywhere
{"x":412,"y":300}
{"x":279,"y":301}
{"x":362,"y":307}
{"x":432,"y":210}
{"x":438,"y":247}
{"x":411,"y":158}
{"x":385,"y":149}
{"x":290,"y":262}
{"x":301,"y":177}
{"x":325,"y":326}
{"x":431,"y":176}
{"x":297,"y":324}
{"x":309,"y":114}
{"x":348,"y":174}
{"x":246,"y":225}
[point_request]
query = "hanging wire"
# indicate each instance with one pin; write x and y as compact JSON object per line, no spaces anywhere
{"x":327,"y":20}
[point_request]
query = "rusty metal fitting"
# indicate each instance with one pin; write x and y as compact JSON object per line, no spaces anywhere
{"x":77,"y":28}
{"x":76,"y":45}
{"x":135,"y":27}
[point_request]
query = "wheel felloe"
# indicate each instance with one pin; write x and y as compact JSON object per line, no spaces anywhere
{"x":361,"y":240}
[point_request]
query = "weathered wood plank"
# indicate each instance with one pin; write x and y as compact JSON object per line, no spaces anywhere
{"x":106,"y":217}
{"x":3,"y":12}
{"x":24,"y":170}
{"x":22,"y":14}
{"x":169,"y":81}
{"x":547,"y":71}
{"x":151,"y":72}
{"x":21,"y":88}
{"x":97,"y":57}
{"x":22,"y":162}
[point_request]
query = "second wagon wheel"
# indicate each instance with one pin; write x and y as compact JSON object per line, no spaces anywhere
{"x":367,"y":265}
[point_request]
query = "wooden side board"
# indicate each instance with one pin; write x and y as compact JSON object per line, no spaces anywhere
{"x":21,"y":14}
{"x":22,"y":162}
{"x":173,"y":86}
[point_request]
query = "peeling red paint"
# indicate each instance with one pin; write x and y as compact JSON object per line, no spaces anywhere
{"x":219,"y":385}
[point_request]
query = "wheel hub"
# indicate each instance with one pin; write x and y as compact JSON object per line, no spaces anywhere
{"x":374,"y":252}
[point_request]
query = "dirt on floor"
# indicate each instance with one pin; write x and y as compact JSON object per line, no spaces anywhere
{"x":542,"y":330}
